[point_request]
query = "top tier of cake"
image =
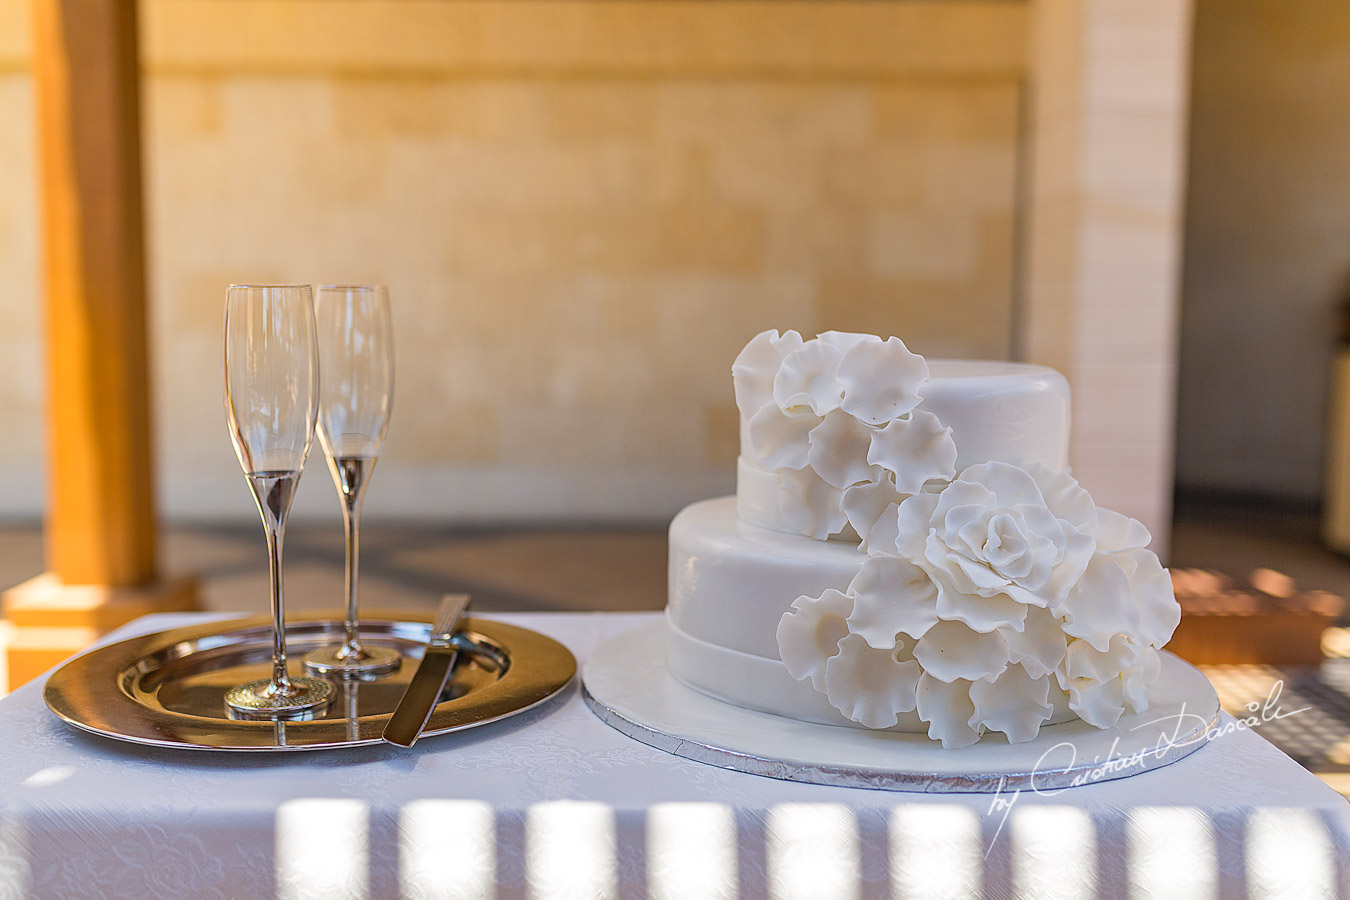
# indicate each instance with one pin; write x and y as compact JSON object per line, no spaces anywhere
{"x":1008,"y":412}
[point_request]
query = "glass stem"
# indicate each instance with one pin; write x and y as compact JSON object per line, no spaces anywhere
{"x":351,"y":524}
{"x":276,"y":532}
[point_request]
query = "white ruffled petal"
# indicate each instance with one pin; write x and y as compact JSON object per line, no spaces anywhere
{"x":881,"y":380}
{"x":1010,"y":485}
{"x":1100,"y":605}
{"x":1040,"y":646}
{"x":914,"y":524}
{"x":1083,"y":661}
{"x":1007,"y":547}
{"x":997,"y":612}
{"x":1115,"y":532}
{"x":871,"y":687}
{"x":845,"y":341}
{"x":1152,"y":595}
{"x":884,"y":536}
{"x":838,"y":450}
{"x":953,"y":650}
{"x":1135,"y":680}
{"x":809,"y":634}
{"x":866,"y":505}
{"x":1064,"y":497}
{"x":1013,"y":703}
{"x":1099,"y":703}
{"x":1078,"y":550}
{"x":754,"y":369}
{"x":914,"y":449}
{"x":1046,"y":538}
{"x":947,"y":709}
{"x":780,"y":441}
{"x":960,"y":504}
{"x":968,"y":575}
{"x":807,"y":379}
{"x":891,"y":596}
{"x":810,"y":504}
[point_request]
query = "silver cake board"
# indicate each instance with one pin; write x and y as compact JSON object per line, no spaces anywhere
{"x":627,"y":684}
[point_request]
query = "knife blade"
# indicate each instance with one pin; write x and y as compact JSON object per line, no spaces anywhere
{"x":414,"y":709}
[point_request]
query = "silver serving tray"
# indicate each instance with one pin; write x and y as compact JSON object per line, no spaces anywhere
{"x":168,"y":689}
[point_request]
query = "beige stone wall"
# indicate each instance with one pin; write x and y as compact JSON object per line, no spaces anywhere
{"x":583,"y":210}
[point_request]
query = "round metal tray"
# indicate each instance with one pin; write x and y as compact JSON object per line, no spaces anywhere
{"x":168,"y":689}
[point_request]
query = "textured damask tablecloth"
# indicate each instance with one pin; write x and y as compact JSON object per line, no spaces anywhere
{"x":555,"y":803}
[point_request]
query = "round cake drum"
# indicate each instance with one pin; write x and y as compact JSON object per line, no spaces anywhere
{"x":626,"y":683}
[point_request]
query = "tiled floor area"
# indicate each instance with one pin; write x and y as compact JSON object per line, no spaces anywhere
{"x":403,"y":566}
{"x":408,"y":566}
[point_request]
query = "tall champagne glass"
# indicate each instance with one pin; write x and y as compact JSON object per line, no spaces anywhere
{"x":356,"y":355}
{"x":271,"y":398}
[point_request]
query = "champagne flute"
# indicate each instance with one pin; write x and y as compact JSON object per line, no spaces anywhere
{"x":356,"y":355}
{"x":271,"y":397}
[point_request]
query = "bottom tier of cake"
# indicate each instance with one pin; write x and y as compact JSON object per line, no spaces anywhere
{"x":730,"y":583}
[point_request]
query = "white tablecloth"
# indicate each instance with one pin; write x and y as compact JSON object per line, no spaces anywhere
{"x":554,"y":803}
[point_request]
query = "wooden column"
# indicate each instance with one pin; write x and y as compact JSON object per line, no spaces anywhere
{"x":100,"y":528}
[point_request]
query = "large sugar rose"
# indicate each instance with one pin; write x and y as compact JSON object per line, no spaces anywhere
{"x":994,"y":541}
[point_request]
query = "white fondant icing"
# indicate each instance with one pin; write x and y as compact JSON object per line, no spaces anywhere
{"x":1010,"y":412}
{"x":731,"y":582}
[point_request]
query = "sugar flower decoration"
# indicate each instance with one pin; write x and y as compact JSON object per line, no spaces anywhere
{"x":811,"y":504}
{"x":881,"y":381}
{"x":988,"y":599}
{"x":1014,"y":703}
{"x":809,"y":634}
{"x":838,"y":451}
{"x":870,"y":508}
{"x":842,"y":406}
{"x":948,"y":710}
{"x":991,"y":532}
{"x":893,"y":599}
{"x":870,"y":686}
{"x":1041,"y":645}
{"x":808,"y":379}
{"x":753,"y":371}
{"x":952,"y":650}
{"x":779,"y":440}
{"x":914,"y":449}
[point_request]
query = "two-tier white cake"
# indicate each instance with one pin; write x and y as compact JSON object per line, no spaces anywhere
{"x":907,"y":550}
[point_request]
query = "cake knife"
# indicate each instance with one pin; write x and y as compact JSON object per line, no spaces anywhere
{"x":414,"y":709}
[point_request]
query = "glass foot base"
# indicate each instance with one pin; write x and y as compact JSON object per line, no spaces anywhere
{"x":370,"y":662}
{"x":258,"y":700}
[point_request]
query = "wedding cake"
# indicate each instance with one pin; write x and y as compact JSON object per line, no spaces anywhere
{"x":907,"y":550}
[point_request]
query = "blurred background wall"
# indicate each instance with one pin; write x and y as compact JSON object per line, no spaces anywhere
{"x":582,"y":210}
{"x":1267,"y":245}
